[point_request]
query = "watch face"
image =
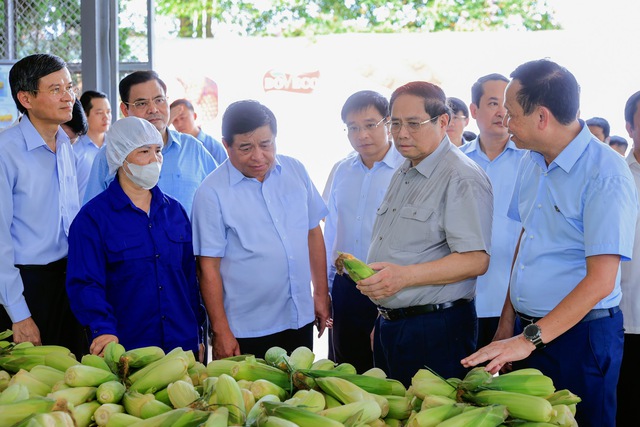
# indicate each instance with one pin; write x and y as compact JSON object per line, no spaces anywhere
{"x":531,"y":331}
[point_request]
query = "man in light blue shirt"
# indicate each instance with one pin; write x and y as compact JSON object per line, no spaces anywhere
{"x":186,"y":161}
{"x":259,"y":245}
{"x":38,"y":201}
{"x":577,"y":202}
{"x":358,"y":187}
{"x":183,"y":118}
{"x":498,"y":156}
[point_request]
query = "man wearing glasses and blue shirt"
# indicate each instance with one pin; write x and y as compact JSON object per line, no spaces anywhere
{"x":430,"y":241}
{"x":38,"y":201}
{"x":186,"y":161}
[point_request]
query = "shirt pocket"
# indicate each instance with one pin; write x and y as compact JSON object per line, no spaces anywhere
{"x":178,"y":239}
{"x":416,"y":230}
{"x":128,"y":248}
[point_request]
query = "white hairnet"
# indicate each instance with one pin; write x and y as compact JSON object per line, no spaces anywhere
{"x":126,"y":135}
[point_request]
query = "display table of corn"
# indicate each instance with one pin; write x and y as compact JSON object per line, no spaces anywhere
{"x":46,"y":386}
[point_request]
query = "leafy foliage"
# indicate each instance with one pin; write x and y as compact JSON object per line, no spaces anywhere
{"x":290,"y":18}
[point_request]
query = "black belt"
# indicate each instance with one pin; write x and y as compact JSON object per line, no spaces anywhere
{"x":61,"y":264}
{"x":417,"y":310}
{"x":595,"y":314}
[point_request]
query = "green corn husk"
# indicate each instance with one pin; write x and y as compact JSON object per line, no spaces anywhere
{"x":83,"y":413}
{"x":431,"y":417}
{"x":230,"y":396}
{"x":75,"y":395}
{"x":275,"y":355}
{"x":215,"y":368}
{"x":42,"y":350}
{"x":531,"y":381}
{"x":182,"y":394}
{"x":244,"y":384}
{"x":163,"y":396}
{"x":133,"y":402}
{"x":399,"y":407}
{"x":490,"y":416}
{"x":323,"y":364}
{"x":331,"y":402}
{"x":95,"y":361}
{"x":347,"y":392}
{"x":87,"y":376}
{"x":474,"y":379}
{"x":140,"y":357}
{"x":209,"y":386}
{"x":356,"y":269}
{"x":261,"y":388}
{"x":110,"y":392}
{"x":35,"y":387}
{"x":152,"y":408}
{"x":376,"y":373}
{"x":425,"y":382}
{"x":122,"y":420}
{"x":252,"y":370}
{"x":563,"y":397}
{"x":47,"y":374}
{"x":14,"y":393}
{"x":197,"y":373}
{"x":13,"y":413}
{"x":13,"y":363}
{"x":60,"y":361}
{"x":218,"y":418}
{"x":58,"y":419}
{"x":301,"y":358}
{"x":345,"y":368}
{"x":175,"y":353}
{"x":161,"y":375}
{"x":432,"y":400}
{"x":362,"y":412}
{"x":255,"y":412}
{"x":273,"y":421}
{"x":248,"y":398}
{"x":381,"y":386}
{"x":524,"y":406}
{"x":298,"y":415}
{"x":563,"y":416}
{"x":311,"y":400}
{"x":112,"y":352}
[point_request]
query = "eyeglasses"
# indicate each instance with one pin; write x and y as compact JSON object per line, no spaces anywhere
{"x":412,"y":127}
{"x":143,"y":104}
{"x":59,"y":91}
{"x":456,"y":118}
{"x":369,"y":127}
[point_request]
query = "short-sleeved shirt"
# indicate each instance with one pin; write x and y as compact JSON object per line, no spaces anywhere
{"x":491,"y":287}
{"x":85,"y":150}
{"x":356,"y":193}
{"x":260,"y":230}
{"x":441,"y":206}
{"x":213,"y":146}
{"x":582,"y":204}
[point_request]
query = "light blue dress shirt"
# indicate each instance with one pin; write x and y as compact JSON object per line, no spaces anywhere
{"x":85,"y":151}
{"x":355,"y":195}
{"x":213,"y":146}
{"x":38,"y":201}
{"x":583,"y":204}
{"x":185,"y":164}
{"x":261,"y":232}
{"x":491,"y":287}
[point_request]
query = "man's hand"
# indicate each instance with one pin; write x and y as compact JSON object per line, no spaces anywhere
{"x":224,"y":345}
{"x":500,"y":353}
{"x":26,"y":330}
{"x":322,"y":307}
{"x":100,"y":342}
{"x":388,"y":280}
{"x":175,"y":112}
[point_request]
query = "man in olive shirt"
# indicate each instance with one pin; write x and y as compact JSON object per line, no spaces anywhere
{"x":430,"y":241}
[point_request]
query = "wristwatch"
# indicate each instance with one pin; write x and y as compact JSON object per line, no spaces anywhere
{"x":532,"y":333}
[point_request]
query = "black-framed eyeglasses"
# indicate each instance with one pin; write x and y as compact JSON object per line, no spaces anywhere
{"x":412,"y":127}
{"x":369,"y":127}
{"x":59,"y":90}
{"x":143,"y":104}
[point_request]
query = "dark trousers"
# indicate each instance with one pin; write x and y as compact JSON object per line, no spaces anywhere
{"x":289,"y":339}
{"x":354,"y":316}
{"x":46,"y":296}
{"x":487,"y":327}
{"x":437,"y":340}
{"x":626,"y":384}
{"x":586,"y":360}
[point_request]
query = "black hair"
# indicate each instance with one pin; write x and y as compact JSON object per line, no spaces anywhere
{"x":135,"y":78}
{"x":184,"y":102}
{"x":469,"y":136}
{"x":435,"y":101}
{"x":78,"y":123}
{"x":246,"y":116}
{"x":457,"y":105}
{"x":631,"y":107}
{"x":89,"y":95}
{"x":477,"y":90}
{"x":547,"y":84}
{"x":601,"y":123}
{"x":362,"y":100}
{"x":618,"y":140}
{"x":25,"y":74}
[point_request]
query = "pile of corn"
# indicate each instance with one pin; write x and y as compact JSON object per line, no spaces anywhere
{"x":47,"y":386}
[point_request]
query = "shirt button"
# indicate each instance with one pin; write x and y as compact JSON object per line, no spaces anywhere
{"x":531,"y":237}
{"x":164,"y":317}
{"x":521,"y":267}
{"x":539,"y":205}
{"x":149,"y":225}
{"x":160,"y":287}
{"x":157,"y":255}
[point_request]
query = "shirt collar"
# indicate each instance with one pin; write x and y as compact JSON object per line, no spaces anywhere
{"x":389,"y":158}
{"x":631,"y":159}
{"x":32,"y":137}
{"x":571,"y":153}
{"x":429,"y":164}
{"x":119,"y":200}
{"x":235,"y":176}
{"x":173,"y":138}
{"x":475,"y":146}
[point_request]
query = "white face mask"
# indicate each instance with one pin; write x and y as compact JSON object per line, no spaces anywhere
{"x":145,"y":176}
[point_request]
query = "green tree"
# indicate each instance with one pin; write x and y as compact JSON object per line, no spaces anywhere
{"x":202,"y":18}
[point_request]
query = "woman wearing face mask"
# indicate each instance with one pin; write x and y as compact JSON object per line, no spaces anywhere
{"x":131,"y":274}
